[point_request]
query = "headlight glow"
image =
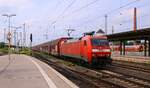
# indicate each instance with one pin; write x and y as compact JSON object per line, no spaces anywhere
{"x":106,"y":50}
{"x":103,"y":50}
{"x":95,"y":50}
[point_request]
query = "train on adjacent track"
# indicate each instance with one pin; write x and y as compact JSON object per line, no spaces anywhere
{"x":130,"y":46}
{"x":91,"y":49}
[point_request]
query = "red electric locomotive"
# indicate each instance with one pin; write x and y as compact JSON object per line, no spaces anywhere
{"x":92,"y":49}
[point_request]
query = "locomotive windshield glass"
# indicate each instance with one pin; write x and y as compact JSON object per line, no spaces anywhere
{"x":100,"y":42}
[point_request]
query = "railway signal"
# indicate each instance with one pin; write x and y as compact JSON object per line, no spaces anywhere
{"x":31,"y":37}
{"x":31,"y":40}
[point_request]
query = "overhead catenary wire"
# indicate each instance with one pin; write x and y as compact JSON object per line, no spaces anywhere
{"x":55,"y":21}
{"x":112,"y":11}
{"x":91,"y":3}
{"x":139,"y":15}
{"x":83,"y":7}
{"x":64,"y":11}
{"x":123,"y":6}
{"x":109,"y":12}
{"x":129,"y":21}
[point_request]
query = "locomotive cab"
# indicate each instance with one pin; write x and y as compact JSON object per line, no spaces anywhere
{"x":101,"y":51}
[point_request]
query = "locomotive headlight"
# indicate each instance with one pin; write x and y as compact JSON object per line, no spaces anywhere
{"x":106,"y":50}
{"x":102,"y":50}
{"x":95,"y":50}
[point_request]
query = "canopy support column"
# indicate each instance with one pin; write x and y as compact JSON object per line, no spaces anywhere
{"x":145,"y":47}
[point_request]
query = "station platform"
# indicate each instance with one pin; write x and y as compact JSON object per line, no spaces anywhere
{"x":22,"y":71}
{"x":136,"y":59}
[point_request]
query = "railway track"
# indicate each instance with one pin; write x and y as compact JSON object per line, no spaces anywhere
{"x":138,"y":72}
{"x":126,"y":81}
{"x":83,"y":81}
{"x":131,"y":66}
{"x":97,"y":78}
{"x":132,"y":73}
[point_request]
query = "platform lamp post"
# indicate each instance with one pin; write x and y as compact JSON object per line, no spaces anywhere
{"x":9,"y":16}
{"x":5,"y":35}
{"x":9,"y":35}
{"x":16,"y":37}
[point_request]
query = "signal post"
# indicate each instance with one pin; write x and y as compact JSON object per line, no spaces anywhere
{"x":9,"y":36}
{"x":31,"y":39}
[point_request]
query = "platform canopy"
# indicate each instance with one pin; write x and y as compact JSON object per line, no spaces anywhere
{"x":140,"y":34}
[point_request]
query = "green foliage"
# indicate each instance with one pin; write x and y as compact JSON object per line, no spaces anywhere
{"x":4,"y":50}
{"x":2,"y":44}
{"x":25,"y":51}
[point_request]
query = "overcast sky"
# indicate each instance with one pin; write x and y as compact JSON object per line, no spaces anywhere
{"x":53,"y":17}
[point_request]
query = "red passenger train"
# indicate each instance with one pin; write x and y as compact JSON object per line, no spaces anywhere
{"x":93,"y":50}
{"x":130,"y":46}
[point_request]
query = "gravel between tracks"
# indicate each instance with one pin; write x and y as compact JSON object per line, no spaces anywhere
{"x":78,"y":77}
{"x":89,"y":78}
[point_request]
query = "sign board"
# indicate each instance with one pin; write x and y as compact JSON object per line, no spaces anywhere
{"x":9,"y":36}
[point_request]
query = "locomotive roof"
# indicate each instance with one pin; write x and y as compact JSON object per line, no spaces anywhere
{"x":53,"y":41}
{"x":87,"y":36}
{"x":73,"y":40}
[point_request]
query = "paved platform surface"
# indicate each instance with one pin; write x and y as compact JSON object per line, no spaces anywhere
{"x":137,"y":59}
{"x":27,"y":72}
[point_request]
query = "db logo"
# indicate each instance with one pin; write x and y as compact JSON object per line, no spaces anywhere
{"x":9,"y":36}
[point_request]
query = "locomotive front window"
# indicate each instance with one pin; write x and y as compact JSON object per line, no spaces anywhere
{"x":100,"y":42}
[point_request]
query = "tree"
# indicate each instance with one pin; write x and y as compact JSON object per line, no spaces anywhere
{"x":2,"y":44}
